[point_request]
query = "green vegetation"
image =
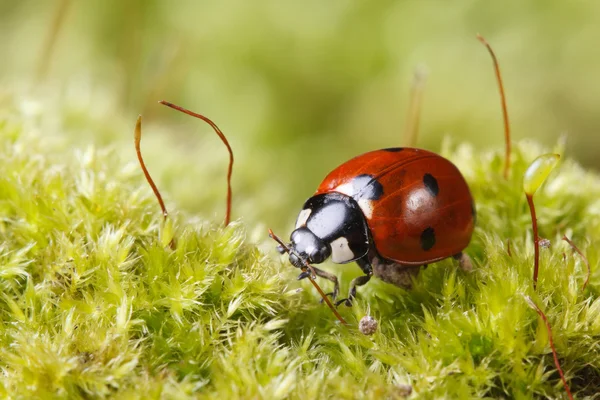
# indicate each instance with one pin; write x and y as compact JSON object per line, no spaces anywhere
{"x":94,"y":305}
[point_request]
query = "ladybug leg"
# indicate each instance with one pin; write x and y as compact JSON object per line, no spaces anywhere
{"x":464,"y":261}
{"x":365,"y":265}
{"x":361,"y":280}
{"x":326,"y":275}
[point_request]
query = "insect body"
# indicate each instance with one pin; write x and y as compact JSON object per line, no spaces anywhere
{"x":391,"y":211}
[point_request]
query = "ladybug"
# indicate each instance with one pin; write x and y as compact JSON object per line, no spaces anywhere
{"x":391,"y":211}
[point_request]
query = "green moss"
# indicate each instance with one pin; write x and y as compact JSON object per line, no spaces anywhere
{"x":93,"y":305}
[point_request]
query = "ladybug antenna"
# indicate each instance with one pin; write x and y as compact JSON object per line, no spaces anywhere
{"x":137,"y":137}
{"x":225,"y":142}
{"x":414,"y":107}
{"x":284,"y":248}
{"x":503,"y":102}
{"x":306,"y":266}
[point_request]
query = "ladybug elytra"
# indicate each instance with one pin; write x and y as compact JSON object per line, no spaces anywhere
{"x":391,"y":211}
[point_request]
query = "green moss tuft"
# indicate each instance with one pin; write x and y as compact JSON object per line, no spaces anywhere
{"x":94,"y":305}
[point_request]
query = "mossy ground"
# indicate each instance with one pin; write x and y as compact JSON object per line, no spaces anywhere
{"x":93,"y":304}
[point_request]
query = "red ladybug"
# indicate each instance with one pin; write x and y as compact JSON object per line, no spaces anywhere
{"x":392,"y":211}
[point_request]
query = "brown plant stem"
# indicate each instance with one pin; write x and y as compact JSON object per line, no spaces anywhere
{"x":417,"y":90}
{"x":225,"y":142}
{"x":137,"y":135}
{"x":536,"y":240}
{"x":50,"y":39}
{"x":551,"y":342}
{"x":503,"y":102}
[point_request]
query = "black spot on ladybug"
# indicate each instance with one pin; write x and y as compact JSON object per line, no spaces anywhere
{"x":366,"y":187}
{"x":431,"y":184}
{"x":473,"y":211}
{"x":394,"y":149}
{"x":427,"y":239}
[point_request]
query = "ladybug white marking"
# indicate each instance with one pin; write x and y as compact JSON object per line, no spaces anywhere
{"x":340,"y":251}
{"x":365,"y":205}
{"x":303,"y":217}
{"x":347,"y":189}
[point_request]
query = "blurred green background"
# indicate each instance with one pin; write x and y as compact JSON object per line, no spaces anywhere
{"x":298,"y":87}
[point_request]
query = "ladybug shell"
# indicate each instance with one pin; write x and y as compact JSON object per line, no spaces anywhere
{"x":417,"y":204}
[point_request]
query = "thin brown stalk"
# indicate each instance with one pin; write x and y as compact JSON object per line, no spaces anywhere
{"x":417,"y":90}
{"x":503,"y":102}
{"x":551,"y":342}
{"x":225,"y":142}
{"x":137,"y":141}
{"x":51,"y":37}
{"x":536,"y":240}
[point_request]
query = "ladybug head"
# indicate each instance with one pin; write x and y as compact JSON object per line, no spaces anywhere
{"x":329,"y":225}
{"x":307,"y":246}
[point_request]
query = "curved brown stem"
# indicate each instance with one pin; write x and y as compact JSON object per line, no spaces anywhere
{"x":137,"y":136}
{"x":225,"y":142}
{"x":551,"y":342}
{"x":503,"y":102}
